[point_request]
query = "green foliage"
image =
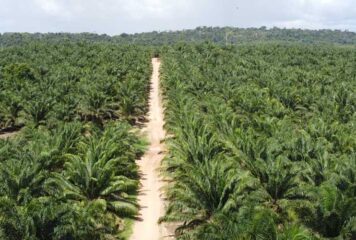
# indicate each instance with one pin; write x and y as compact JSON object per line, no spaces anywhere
{"x":219,"y":35}
{"x":262,"y":139}
{"x":70,"y":173}
{"x":61,"y":184}
{"x":42,"y":83}
{"x":262,"y":142}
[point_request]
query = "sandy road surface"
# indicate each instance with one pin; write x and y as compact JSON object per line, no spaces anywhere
{"x":150,"y":197}
{"x":7,"y":135}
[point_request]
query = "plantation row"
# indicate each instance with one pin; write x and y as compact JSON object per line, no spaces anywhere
{"x":263,"y":141}
{"x":45,"y":83}
{"x":70,"y":172}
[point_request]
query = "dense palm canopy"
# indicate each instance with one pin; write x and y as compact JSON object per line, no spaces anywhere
{"x":44,"y":82}
{"x":262,"y":141}
{"x":70,"y":172}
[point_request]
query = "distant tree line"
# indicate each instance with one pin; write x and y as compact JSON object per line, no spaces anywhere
{"x":225,"y":35}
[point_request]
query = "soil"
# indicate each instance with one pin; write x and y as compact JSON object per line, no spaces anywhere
{"x":7,"y":135}
{"x":151,"y":199}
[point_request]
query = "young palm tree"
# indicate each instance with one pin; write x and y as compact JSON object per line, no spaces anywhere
{"x":129,"y":103}
{"x":39,"y":111}
{"x":334,"y":213}
{"x":22,"y":178}
{"x":202,"y":190}
{"x":15,"y":222}
{"x":95,"y":106}
{"x":100,"y":171}
{"x":10,"y":107}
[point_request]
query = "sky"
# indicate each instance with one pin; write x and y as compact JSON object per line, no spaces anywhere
{"x":130,"y":16}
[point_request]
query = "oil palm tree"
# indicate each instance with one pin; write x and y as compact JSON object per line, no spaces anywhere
{"x":10,"y":108}
{"x":22,"y":178}
{"x":101,"y":171}
{"x":130,"y":104}
{"x":334,"y":213}
{"x":202,"y":190}
{"x":39,"y":111}
{"x":95,"y":106}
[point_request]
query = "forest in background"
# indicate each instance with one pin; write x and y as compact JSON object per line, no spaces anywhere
{"x":218,"y":35}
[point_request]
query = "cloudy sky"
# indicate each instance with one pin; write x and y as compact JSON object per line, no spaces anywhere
{"x":118,"y":16}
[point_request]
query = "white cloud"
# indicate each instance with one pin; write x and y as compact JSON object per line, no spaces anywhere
{"x":139,"y":9}
{"x":116,"y":16}
{"x":324,"y":14}
{"x":49,"y":6}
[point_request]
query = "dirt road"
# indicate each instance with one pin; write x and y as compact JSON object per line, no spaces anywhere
{"x":150,"y":197}
{"x":7,"y":135}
